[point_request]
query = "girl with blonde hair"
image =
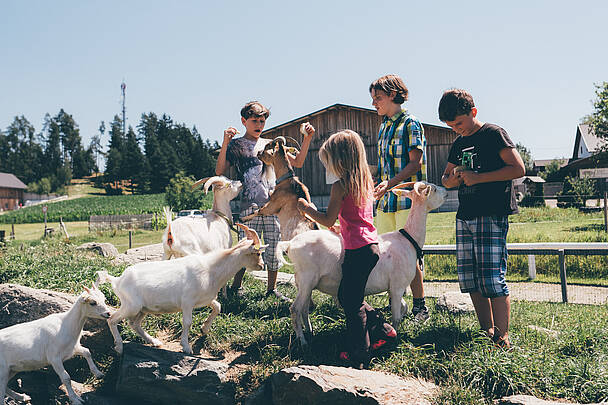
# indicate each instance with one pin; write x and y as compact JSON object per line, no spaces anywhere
{"x":351,"y":201}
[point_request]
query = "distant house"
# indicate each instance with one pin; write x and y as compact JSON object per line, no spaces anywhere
{"x":585,"y":142}
{"x":365,"y":122}
{"x":539,"y":165}
{"x":11,"y":191}
{"x":583,"y":163}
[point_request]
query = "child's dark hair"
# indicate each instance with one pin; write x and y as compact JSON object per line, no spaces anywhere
{"x":390,"y":83}
{"x":254,"y":109}
{"x":453,"y":103}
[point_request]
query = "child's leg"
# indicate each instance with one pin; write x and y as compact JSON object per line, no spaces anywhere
{"x":272,"y":235}
{"x":356,"y":268}
{"x":491,"y":248}
{"x":255,"y":223}
{"x":483,"y":309}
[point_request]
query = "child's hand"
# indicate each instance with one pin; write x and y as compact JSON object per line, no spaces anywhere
{"x":229,"y":133}
{"x":380,"y":189}
{"x":468,"y":177}
{"x":302,"y":205}
{"x":306,"y":129}
{"x":335,"y":228}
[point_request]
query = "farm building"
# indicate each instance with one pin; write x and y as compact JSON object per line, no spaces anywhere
{"x":11,"y":191}
{"x":365,"y":122}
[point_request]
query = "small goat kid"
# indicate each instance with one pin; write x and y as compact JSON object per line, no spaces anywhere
{"x":284,"y":199}
{"x":199,"y":235}
{"x":50,"y":340}
{"x":317,"y":258}
{"x":179,"y":285}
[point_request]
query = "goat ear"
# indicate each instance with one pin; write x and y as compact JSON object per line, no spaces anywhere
{"x":199,"y":182}
{"x":87,"y":290}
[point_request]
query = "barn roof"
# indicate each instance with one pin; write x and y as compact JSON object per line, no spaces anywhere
{"x":585,"y":134}
{"x":9,"y":180}
{"x":334,"y":107}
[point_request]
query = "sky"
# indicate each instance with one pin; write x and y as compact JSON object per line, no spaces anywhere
{"x":531,"y":66}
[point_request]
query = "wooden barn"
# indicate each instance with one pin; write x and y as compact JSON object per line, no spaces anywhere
{"x":11,"y":191}
{"x":365,"y":122}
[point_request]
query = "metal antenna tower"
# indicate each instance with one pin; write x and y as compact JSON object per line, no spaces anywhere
{"x":123,"y":87}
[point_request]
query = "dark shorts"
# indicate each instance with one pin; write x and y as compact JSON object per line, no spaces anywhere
{"x":481,"y":253}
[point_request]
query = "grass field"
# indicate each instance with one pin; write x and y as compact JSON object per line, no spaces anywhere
{"x":448,"y":349}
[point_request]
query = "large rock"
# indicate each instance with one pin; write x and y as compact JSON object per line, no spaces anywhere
{"x":528,"y":400}
{"x":20,"y":304}
{"x":104,"y":249}
{"x":455,"y":303}
{"x":164,"y":377}
{"x":140,"y":254}
{"x":339,"y":385}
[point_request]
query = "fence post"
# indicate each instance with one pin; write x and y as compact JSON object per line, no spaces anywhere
{"x":605,"y":211}
{"x":562,"y":275}
{"x":130,"y":235}
{"x":531,"y":267}
{"x":13,"y":230}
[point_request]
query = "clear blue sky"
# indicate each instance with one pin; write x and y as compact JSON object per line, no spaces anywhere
{"x":530,"y":65}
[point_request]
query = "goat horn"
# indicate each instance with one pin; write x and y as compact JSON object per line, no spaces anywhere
{"x":419,"y":187}
{"x":404,"y":185}
{"x":213,"y":180}
{"x":279,"y":139}
{"x":250,"y":234}
{"x":199,"y":182}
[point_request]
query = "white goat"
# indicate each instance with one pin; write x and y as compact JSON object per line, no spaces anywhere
{"x":199,"y":235}
{"x":50,"y":340}
{"x":317,"y":258}
{"x":179,"y":285}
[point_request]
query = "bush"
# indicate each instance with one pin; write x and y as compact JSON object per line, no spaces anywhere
{"x":180,"y":196}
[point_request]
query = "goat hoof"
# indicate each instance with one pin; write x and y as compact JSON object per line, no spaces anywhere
{"x":118,"y":349}
{"x":187,"y":350}
{"x":99,"y":375}
{"x":156,"y":343}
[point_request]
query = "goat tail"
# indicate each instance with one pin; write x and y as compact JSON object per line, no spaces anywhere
{"x":168,"y":215}
{"x":104,"y":277}
{"x":282,"y":248}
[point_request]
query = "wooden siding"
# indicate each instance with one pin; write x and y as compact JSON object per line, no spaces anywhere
{"x":10,"y":198}
{"x":366,"y":123}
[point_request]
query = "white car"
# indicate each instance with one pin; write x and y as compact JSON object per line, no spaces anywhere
{"x":190,"y":213}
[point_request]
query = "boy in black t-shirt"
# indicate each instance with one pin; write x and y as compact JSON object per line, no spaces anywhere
{"x":482,"y":163}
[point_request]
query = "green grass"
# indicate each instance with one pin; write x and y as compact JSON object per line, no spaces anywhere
{"x":448,"y":349}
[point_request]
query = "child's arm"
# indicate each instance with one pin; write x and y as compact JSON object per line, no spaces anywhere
{"x":333,"y":209}
{"x":222,"y":165}
{"x":513,"y":169}
{"x":408,"y":171}
{"x":298,"y":160}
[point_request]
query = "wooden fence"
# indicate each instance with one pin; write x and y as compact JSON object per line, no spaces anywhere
{"x":104,"y":222}
{"x":532,"y":249}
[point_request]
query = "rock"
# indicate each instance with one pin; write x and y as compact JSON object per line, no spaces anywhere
{"x":104,"y":249}
{"x":160,"y":377}
{"x":528,"y":400}
{"x":20,"y":304}
{"x":140,"y":254}
{"x":551,"y":333}
{"x":339,"y":385}
{"x":455,"y":303}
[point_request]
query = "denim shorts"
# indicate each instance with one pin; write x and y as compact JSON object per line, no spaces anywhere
{"x":481,"y":253}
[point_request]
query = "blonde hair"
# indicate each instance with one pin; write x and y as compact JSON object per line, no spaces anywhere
{"x":343,"y":153}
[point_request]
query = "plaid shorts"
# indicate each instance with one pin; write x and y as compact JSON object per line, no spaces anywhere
{"x":269,"y":231}
{"x":481,"y":252}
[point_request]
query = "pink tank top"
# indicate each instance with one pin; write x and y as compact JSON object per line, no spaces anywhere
{"x":357,"y":223}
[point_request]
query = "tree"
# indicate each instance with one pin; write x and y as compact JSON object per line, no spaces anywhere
{"x":115,"y":151}
{"x":551,"y":170}
{"x":599,"y":119}
{"x":133,"y":160}
{"x":526,"y":156}
{"x":179,"y":193}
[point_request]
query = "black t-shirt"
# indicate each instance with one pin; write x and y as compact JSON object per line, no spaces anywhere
{"x":481,"y":153}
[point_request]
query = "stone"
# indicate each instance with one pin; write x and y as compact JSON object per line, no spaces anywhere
{"x":340,"y":385}
{"x":455,"y":303}
{"x":103,"y":249}
{"x":161,"y":377}
{"x":528,"y":400}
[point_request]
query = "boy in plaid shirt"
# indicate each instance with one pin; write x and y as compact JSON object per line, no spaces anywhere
{"x":482,"y":163}
{"x":401,"y":157}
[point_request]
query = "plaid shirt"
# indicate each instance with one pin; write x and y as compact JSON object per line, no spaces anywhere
{"x":397,"y":136}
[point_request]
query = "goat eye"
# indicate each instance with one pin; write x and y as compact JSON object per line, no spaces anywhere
{"x":93,"y":303}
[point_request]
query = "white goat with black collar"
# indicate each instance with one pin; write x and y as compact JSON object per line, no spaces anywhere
{"x":317,"y":258}
{"x":199,"y":235}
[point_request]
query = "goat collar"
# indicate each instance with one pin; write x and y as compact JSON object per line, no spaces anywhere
{"x":290,"y":173}
{"x":228,"y":220}
{"x":419,"y":252}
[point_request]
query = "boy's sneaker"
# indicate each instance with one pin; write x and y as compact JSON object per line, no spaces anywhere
{"x":276,"y":293}
{"x":421,"y":314}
